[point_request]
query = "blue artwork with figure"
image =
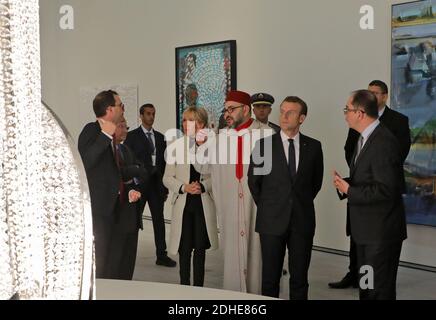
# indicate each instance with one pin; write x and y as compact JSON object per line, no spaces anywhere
{"x":414,"y":94}
{"x":204,"y":75}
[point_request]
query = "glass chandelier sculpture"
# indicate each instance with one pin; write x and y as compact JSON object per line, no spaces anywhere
{"x":46,"y":245}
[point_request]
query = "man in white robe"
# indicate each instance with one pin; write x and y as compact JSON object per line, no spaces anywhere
{"x":227,"y":159}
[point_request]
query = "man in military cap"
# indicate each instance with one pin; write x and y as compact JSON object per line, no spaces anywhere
{"x":262,"y":103}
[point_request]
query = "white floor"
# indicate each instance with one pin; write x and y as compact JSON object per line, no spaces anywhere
{"x":411,"y":284}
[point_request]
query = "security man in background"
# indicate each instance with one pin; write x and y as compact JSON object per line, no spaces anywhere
{"x":262,"y":103}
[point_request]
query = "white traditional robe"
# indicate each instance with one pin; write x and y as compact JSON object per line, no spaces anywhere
{"x":236,"y":213}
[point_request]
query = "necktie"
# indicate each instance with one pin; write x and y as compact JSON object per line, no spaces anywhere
{"x":118,"y":161}
{"x":150,"y":141}
{"x":359,"y":147}
{"x":152,"y":148}
{"x":240,"y":154}
{"x":291,"y":159}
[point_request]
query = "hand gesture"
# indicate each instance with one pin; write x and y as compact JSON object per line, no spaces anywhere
{"x":340,"y":183}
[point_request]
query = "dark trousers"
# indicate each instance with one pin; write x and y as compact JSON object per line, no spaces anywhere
{"x":193,"y":238}
{"x":122,"y":257}
{"x":155,"y":199}
{"x":384,"y":260}
{"x":185,"y":266}
{"x":353,"y":270}
{"x":103,"y":229}
{"x":299,"y":254}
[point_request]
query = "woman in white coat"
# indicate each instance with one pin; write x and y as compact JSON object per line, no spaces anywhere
{"x":193,"y":221}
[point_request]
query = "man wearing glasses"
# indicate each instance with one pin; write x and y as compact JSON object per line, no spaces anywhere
{"x":235,"y":206}
{"x":375,"y":206}
{"x":96,"y":147}
{"x":398,"y":124}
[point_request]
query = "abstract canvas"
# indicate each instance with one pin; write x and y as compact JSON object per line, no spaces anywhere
{"x":204,"y":75}
{"x":414,"y":94}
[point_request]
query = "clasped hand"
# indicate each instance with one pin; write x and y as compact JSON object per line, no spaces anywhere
{"x":134,"y":196}
{"x":193,"y":188}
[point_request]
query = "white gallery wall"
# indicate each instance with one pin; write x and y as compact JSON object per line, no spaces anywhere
{"x":313,"y":49}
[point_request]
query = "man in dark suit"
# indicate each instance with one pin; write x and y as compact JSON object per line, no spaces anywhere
{"x":375,"y":205}
{"x":128,"y":220}
{"x":284,"y":197}
{"x":398,"y":124}
{"x":104,"y":179}
{"x":149,"y":146}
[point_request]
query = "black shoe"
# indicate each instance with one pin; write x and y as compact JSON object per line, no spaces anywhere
{"x":347,"y":282}
{"x":166,"y":262}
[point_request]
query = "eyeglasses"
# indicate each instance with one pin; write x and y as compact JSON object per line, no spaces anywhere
{"x":346,"y":110}
{"x":231,"y":109}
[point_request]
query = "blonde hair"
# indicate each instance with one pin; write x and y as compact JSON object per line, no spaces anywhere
{"x":199,"y":113}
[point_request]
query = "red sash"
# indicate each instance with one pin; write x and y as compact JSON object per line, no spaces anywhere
{"x":239,"y":164}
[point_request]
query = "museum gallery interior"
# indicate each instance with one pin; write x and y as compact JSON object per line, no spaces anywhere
{"x":217,"y":150}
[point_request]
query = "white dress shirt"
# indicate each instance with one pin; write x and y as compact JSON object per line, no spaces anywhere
{"x":368,"y":131}
{"x":380,"y":112}
{"x":296,"y":147}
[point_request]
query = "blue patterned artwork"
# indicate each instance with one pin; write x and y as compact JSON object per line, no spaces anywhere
{"x":204,"y":75}
{"x":414,"y":94}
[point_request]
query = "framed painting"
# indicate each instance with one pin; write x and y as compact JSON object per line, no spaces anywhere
{"x":413,"y":93}
{"x":204,"y":75}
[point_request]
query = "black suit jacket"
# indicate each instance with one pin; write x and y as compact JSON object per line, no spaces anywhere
{"x":279,"y":199}
{"x":101,"y":170}
{"x":396,"y":122}
{"x":137,"y":141}
{"x":375,"y":202}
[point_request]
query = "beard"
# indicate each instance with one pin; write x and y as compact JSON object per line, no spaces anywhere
{"x":236,"y":123}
